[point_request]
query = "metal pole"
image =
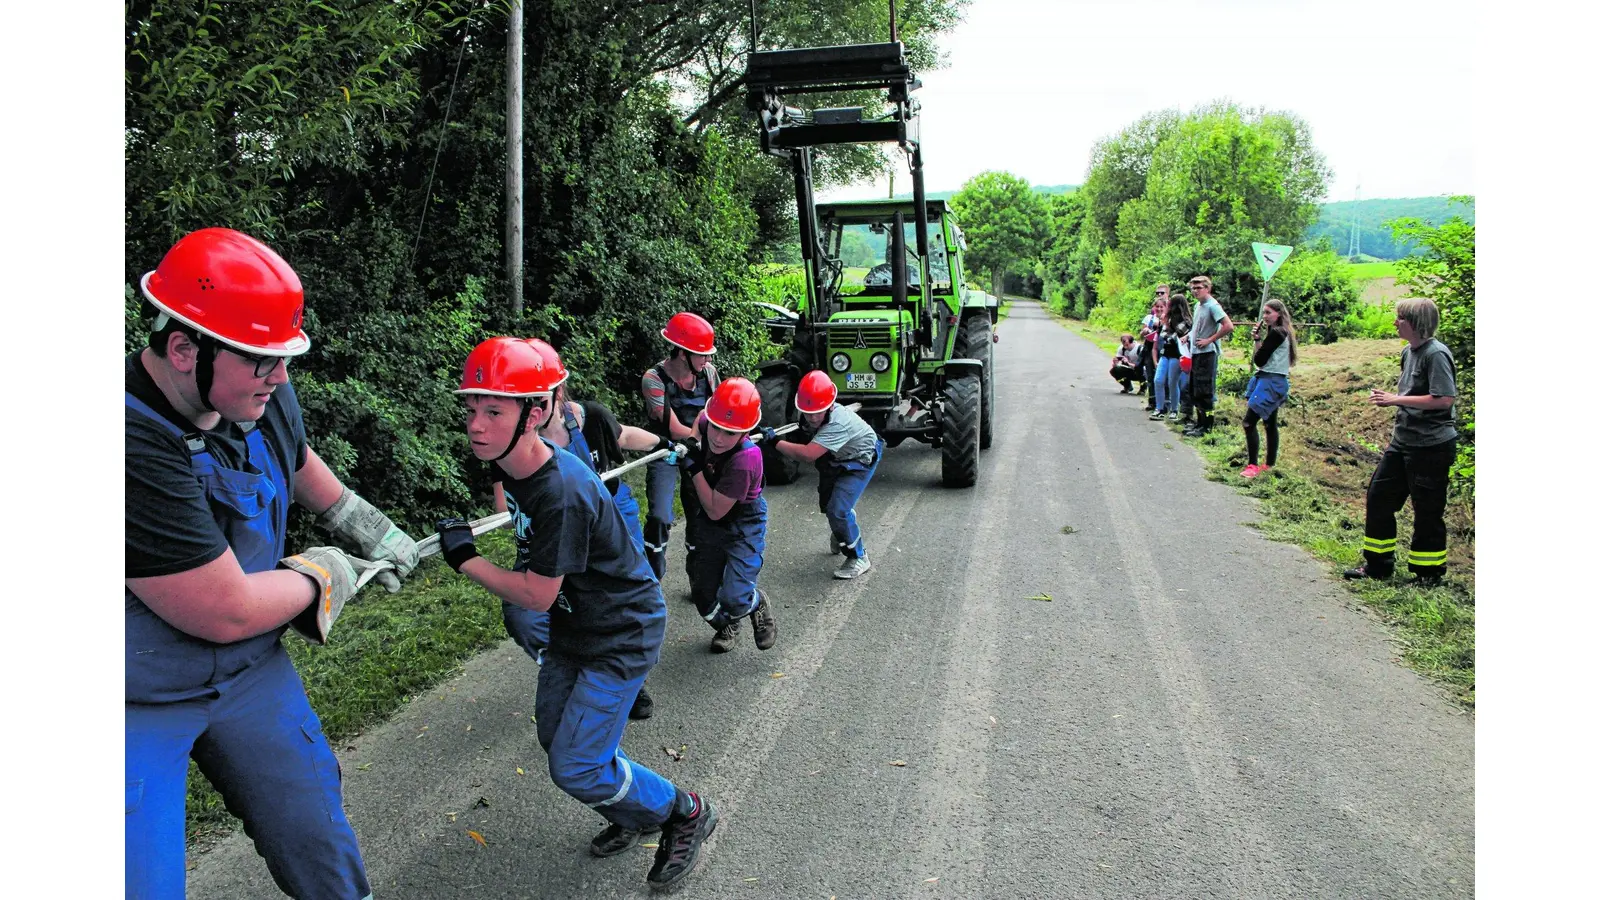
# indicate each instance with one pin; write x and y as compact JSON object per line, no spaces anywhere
{"x":514,"y":159}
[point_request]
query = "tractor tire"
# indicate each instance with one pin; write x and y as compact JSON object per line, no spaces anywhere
{"x":776,"y":390}
{"x":959,"y":443}
{"x":976,"y":341}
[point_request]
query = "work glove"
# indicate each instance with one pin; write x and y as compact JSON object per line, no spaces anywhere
{"x":335,"y":576}
{"x":769,"y":435}
{"x":662,"y":443}
{"x":373,"y":535}
{"x":456,"y":542}
{"x":693,"y":459}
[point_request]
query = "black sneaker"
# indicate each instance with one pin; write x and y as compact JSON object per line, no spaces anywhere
{"x":680,"y":843}
{"x":761,"y":622}
{"x":723,"y":640}
{"x":643,"y":706}
{"x":1194,"y":431}
{"x":1360,"y":572}
{"x":616,"y":839}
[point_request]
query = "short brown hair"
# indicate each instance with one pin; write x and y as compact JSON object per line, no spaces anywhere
{"x":1421,"y":313}
{"x":1201,"y":279}
{"x":1126,"y":337}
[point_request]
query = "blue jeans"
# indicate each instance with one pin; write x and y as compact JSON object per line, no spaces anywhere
{"x":1167,"y":384}
{"x":839,"y":487}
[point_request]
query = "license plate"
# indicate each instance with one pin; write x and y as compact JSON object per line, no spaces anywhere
{"x":861,"y":382}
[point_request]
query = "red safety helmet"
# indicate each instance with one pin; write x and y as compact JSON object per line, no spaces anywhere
{"x":736,"y":406}
{"x":817,"y":392}
{"x":511,"y":367}
{"x":1185,"y":364}
{"x":232,"y":287}
{"x":690,"y":332}
{"x":552,"y":359}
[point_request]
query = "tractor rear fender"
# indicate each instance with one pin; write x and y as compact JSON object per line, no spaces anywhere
{"x":955,"y":368}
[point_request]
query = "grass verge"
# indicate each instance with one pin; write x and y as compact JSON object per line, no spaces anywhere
{"x":1331,"y":439}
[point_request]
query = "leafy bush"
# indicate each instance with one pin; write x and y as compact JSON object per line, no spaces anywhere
{"x":1368,"y":320}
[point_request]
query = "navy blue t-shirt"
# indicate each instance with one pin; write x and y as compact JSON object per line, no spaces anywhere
{"x":168,"y":522}
{"x":610,"y":606}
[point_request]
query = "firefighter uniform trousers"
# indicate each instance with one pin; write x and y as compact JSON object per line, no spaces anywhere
{"x":240,"y":711}
{"x":1424,"y":475}
{"x":724,"y":557}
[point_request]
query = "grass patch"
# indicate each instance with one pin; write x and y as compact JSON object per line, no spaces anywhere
{"x":1364,"y":270}
{"x":1315,"y":497}
{"x":1005,"y":310}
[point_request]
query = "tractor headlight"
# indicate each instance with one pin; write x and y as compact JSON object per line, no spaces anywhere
{"x":840,"y":362}
{"x":880,"y":362}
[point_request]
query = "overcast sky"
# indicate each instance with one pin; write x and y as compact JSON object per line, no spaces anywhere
{"x":1030,"y":85}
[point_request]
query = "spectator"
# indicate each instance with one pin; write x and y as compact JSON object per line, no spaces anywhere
{"x":1149,"y":328}
{"x":1125,"y":365}
{"x":1276,"y":351}
{"x":1417,"y":461}
{"x":1174,"y":330}
{"x":1211,"y":324}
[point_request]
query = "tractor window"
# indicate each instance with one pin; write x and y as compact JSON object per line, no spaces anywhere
{"x":862,"y":251}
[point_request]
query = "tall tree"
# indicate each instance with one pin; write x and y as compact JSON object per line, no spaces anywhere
{"x":1006,"y":224}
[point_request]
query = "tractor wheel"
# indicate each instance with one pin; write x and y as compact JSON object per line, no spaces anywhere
{"x":976,"y":341}
{"x":776,"y":392}
{"x":959,"y":443}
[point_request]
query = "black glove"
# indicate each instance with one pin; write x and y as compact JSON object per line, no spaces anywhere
{"x":456,"y":543}
{"x":694,"y":459}
{"x":662,"y":443}
{"x":769,"y":435}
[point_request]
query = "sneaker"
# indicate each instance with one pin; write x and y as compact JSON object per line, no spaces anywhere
{"x":1361,"y":572}
{"x":1172,"y":417}
{"x":680,"y":843}
{"x":723,"y":640}
{"x":1125,"y":390}
{"x":1194,"y":431}
{"x":1250,"y":471}
{"x":616,"y":839}
{"x":761,"y":622}
{"x":1156,"y":415}
{"x":643,"y":706}
{"x":852,"y":567}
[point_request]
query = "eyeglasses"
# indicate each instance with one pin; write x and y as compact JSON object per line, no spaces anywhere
{"x":264,"y":364}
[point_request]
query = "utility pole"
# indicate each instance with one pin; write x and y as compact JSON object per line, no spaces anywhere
{"x":1355,"y":228}
{"x":514,"y":159}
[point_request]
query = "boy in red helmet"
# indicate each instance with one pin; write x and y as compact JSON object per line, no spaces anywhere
{"x":215,"y":452}
{"x":727,"y":516}
{"x":846,"y":451}
{"x":675,"y":390}
{"x":575,"y":561}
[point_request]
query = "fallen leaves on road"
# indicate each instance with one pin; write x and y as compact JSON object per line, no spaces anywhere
{"x":678,"y":754}
{"x":898,"y":762}
{"x":933,"y":880}
{"x":747,"y":880}
{"x":777,"y":674}
{"x":483,"y":803}
{"x":450,"y":817}
{"x":363,"y":767}
{"x":1043,"y":598}
{"x":1068,"y":529}
{"x":477,"y":837}
{"x":520,"y":772}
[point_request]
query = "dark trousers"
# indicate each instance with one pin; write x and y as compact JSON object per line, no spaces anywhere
{"x":1203,"y":386}
{"x":1126,"y":374}
{"x":1147,"y":372}
{"x":1424,"y":476}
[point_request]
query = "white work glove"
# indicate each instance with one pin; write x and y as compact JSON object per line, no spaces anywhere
{"x":335,"y":576}
{"x":373,"y":535}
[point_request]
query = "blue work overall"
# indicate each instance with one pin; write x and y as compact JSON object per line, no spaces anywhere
{"x":724,"y":556}
{"x":839,"y":486}
{"x":661,"y":477}
{"x":239,"y":710}
{"x":530,"y":628}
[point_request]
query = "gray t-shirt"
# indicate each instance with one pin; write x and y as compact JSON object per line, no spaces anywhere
{"x":1208,"y":318}
{"x":1427,"y":370}
{"x":847,"y":436}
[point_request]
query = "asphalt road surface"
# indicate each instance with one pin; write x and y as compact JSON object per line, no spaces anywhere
{"x":1194,"y":712}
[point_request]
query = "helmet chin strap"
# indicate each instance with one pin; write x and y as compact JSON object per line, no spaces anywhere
{"x":522,"y":422}
{"x":205,"y":370}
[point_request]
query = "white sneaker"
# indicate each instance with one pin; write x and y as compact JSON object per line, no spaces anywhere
{"x":852,"y":567}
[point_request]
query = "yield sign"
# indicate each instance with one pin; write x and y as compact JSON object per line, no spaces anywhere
{"x":1269,"y":257}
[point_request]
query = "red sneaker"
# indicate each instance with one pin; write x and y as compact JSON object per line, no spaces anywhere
{"x":1251,"y":471}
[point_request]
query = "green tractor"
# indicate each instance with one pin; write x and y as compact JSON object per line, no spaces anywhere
{"x":886,"y":312}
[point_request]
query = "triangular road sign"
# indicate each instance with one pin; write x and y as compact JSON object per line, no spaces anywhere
{"x":1269,"y":257}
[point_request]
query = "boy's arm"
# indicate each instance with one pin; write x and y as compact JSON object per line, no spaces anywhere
{"x":528,"y":590}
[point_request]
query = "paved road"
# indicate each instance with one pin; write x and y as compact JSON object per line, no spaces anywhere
{"x":1196,"y":712}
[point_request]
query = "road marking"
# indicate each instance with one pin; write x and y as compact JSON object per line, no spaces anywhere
{"x":1204,"y":748}
{"x":777,"y":700}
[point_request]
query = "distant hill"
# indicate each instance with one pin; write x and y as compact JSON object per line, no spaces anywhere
{"x":1376,"y":241}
